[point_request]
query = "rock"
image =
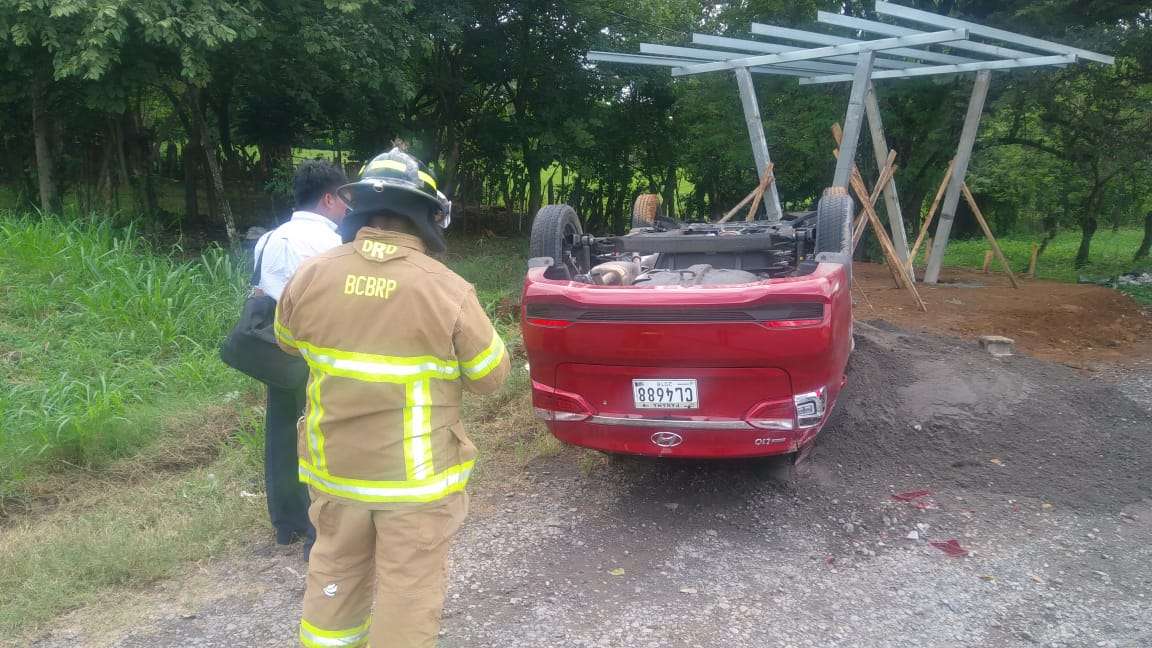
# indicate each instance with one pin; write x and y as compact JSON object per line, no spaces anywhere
{"x":997,"y":345}
{"x":913,"y":535}
{"x":688,"y":590}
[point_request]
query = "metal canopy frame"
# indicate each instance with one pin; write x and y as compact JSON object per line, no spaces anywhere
{"x":900,"y":52}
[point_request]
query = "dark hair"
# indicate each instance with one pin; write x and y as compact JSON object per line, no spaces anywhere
{"x":313,"y":179}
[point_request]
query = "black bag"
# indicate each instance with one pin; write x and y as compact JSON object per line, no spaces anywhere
{"x":251,"y":346}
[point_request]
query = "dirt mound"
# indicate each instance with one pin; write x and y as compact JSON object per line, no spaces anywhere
{"x":935,"y":413}
{"x":1078,"y":324}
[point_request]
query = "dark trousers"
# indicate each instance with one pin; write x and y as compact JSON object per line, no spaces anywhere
{"x":287,"y":497}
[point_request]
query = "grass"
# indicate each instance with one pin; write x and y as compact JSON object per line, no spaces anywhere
{"x":133,"y":524}
{"x":1111,"y":255}
{"x":102,"y":337}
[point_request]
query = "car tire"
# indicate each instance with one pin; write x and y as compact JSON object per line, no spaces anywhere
{"x":645,"y":210}
{"x":556,"y":233}
{"x":834,"y":222}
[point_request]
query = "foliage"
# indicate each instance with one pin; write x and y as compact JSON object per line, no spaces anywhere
{"x":97,"y":331}
{"x":140,"y":98}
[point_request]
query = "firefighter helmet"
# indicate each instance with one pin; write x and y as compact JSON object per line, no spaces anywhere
{"x":398,"y":183}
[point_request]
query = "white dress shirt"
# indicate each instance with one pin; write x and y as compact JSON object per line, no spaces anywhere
{"x":286,"y":247}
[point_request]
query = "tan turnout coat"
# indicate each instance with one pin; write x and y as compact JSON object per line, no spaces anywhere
{"x":392,"y":338}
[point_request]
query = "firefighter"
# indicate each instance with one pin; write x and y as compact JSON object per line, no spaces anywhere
{"x":392,"y":338}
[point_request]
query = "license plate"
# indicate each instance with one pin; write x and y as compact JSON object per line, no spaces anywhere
{"x":665,"y":394}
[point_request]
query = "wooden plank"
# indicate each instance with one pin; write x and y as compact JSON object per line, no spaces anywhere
{"x":765,"y":180}
{"x":928,"y":218}
{"x":739,"y":205}
{"x":987,"y":260}
{"x":1032,"y":260}
{"x":894,"y":261}
{"x":988,"y":233}
{"x":886,"y":176}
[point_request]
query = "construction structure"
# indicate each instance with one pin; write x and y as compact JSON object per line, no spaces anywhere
{"x":877,"y":50}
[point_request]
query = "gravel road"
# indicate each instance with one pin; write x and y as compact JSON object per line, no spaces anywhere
{"x":1041,"y":473}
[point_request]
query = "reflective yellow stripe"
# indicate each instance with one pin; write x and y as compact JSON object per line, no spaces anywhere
{"x":437,"y":486}
{"x":486,"y":360}
{"x":312,"y":636}
{"x":282,"y":332}
{"x":370,"y":367}
{"x":399,"y":166}
{"x":315,"y":415}
{"x":418,"y":429}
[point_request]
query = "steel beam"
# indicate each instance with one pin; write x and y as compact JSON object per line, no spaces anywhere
{"x":959,"y":171}
{"x":938,"y":21}
{"x":891,"y":199}
{"x":823,"y":52}
{"x":671,"y":62}
{"x":635,"y":59}
{"x":817,"y":38}
{"x":718,"y":55}
{"x":773,"y":48}
{"x":884,"y":29}
{"x":759,"y":142}
{"x":852,"y":121}
{"x":1010,"y":64}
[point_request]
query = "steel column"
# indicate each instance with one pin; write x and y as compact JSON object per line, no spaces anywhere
{"x":959,"y":171}
{"x":759,"y":142}
{"x":891,"y":199}
{"x":852,"y":121}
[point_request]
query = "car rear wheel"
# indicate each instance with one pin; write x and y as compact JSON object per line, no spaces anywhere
{"x":556,"y":233}
{"x":834,"y":222}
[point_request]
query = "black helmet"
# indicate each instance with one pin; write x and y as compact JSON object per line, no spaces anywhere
{"x":398,"y":183}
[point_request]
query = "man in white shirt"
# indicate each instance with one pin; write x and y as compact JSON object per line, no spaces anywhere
{"x":312,"y":230}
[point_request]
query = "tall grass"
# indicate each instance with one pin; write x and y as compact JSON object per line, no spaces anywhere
{"x":102,"y":336}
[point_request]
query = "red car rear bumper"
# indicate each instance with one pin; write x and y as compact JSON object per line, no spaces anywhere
{"x":766,"y":383}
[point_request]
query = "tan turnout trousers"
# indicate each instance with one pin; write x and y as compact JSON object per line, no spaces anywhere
{"x":400,"y":556}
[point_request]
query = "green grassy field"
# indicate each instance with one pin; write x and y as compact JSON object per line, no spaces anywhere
{"x":1111,"y":255}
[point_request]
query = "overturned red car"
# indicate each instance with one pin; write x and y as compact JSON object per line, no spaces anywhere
{"x":690,"y":339}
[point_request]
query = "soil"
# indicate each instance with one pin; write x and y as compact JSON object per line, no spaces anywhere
{"x":1080,"y":324}
{"x":1039,"y":472}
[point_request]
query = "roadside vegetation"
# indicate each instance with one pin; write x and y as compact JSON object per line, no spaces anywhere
{"x":102,"y":338}
{"x":1111,"y":256}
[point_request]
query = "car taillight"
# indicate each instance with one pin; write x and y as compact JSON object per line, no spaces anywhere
{"x":799,"y":315}
{"x":810,"y":407}
{"x":548,"y":323}
{"x":556,"y":407}
{"x":776,"y":415}
{"x":797,"y":323}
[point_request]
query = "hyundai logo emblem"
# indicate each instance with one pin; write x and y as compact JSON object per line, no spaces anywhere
{"x":667,"y":439}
